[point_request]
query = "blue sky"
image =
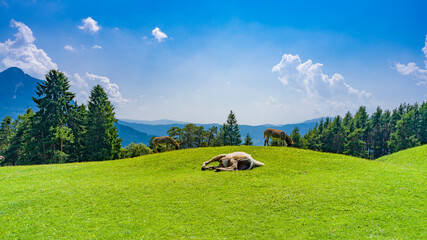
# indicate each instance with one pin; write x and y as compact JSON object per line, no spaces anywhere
{"x":270,"y":62}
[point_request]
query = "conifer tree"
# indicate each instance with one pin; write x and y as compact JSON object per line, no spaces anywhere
{"x":20,"y":142}
{"x":422,"y":123}
{"x":248,"y":140}
{"x":6,"y":131}
{"x":102,"y":141}
{"x":77,"y":123}
{"x":296,"y":137}
{"x":230,"y":132}
{"x":54,"y":104}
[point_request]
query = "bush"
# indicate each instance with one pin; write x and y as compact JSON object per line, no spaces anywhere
{"x":134,"y":150}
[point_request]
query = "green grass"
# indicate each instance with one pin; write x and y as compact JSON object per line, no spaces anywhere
{"x":298,"y":194}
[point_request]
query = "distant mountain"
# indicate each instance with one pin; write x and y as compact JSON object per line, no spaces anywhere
{"x":256,"y":132}
{"x":315,"y":120}
{"x":155,"y":122}
{"x":16,"y":92}
{"x":130,"y":135}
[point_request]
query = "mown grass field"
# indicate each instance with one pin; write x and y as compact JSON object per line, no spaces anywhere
{"x":298,"y":194}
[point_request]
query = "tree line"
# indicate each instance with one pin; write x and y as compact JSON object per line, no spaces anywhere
{"x":193,"y":136}
{"x":365,"y":136}
{"x":61,"y":130}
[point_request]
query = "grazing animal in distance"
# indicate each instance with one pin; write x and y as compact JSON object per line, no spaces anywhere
{"x":232,"y":162}
{"x":166,"y":140}
{"x":277,"y":135}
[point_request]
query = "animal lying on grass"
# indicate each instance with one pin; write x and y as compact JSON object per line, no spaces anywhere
{"x":232,"y":162}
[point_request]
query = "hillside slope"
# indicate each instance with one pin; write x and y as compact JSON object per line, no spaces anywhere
{"x":298,"y":194}
{"x":414,"y":157}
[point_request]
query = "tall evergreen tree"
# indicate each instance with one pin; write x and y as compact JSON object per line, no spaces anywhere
{"x":405,"y":135}
{"x":54,"y":104}
{"x":296,"y":137}
{"x":230,"y":132}
{"x":20,"y":142}
{"x":338,"y":135}
{"x":77,"y":123}
{"x":6,"y":131}
{"x":422,"y":123}
{"x":102,"y":140}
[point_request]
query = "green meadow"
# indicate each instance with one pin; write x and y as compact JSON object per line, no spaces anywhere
{"x":298,"y":194}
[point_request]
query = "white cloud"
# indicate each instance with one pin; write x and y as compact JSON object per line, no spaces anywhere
{"x":309,"y":91}
{"x":78,"y":81}
{"x":83,"y":85}
{"x":23,"y":53}
{"x":411,"y":69}
{"x":159,"y":35}
{"x":308,"y":78}
{"x":69,"y":48}
{"x":90,"y":25}
{"x":96,"y":47}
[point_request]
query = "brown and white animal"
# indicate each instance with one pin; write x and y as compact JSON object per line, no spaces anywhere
{"x":232,"y":162}
{"x":166,"y":140}
{"x":1,"y":158}
{"x":277,"y":135}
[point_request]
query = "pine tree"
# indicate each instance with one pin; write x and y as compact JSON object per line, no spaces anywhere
{"x":230,"y":132}
{"x":102,"y":141}
{"x":338,"y":135}
{"x":6,"y":132}
{"x":422,"y":123}
{"x":296,"y":137}
{"x":54,"y":104}
{"x":18,"y":152}
{"x":405,"y":135}
{"x":77,"y":123}
{"x":248,"y":140}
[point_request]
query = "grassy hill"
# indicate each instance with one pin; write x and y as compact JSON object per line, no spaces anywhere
{"x":298,"y":194}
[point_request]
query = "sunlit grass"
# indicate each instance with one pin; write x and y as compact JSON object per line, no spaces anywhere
{"x":297,"y":194}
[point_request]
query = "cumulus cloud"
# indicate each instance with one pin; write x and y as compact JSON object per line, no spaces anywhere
{"x":308,"y":77}
{"x":83,"y":85}
{"x":159,"y":35}
{"x":315,"y":90}
{"x":89,"y":25}
{"x":96,"y":47}
{"x":411,"y":69}
{"x":69,"y":48}
{"x":23,"y":53}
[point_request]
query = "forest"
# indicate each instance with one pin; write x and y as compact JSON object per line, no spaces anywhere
{"x":371,"y":137}
{"x":62,"y":131}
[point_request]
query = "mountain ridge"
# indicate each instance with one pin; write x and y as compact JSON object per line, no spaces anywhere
{"x":16,"y":92}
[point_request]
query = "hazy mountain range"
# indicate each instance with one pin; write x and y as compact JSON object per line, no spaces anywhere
{"x":256,"y":132}
{"x":18,"y":89}
{"x":16,"y":92}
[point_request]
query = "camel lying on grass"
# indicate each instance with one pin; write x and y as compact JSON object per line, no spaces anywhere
{"x":166,"y":140}
{"x":232,"y":162}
